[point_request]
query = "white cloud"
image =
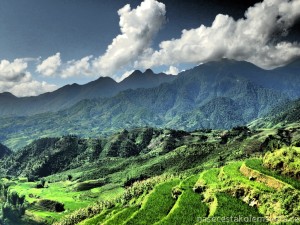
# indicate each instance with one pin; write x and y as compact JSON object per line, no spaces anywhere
{"x":124,"y":75}
{"x":15,"y":78}
{"x":138,"y":28}
{"x":49,"y":67}
{"x":12,"y":71}
{"x":251,"y":39}
{"x":172,"y":70}
{"x":53,"y":66}
{"x":77,"y":68}
{"x":32,"y":88}
{"x":26,"y":86}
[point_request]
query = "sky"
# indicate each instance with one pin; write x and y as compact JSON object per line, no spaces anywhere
{"x":45,"y":44}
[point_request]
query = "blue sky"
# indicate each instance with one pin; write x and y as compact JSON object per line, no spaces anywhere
{"x":33,"y":28}
{"x":45,"y":44}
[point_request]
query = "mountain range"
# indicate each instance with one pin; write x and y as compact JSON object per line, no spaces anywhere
{"x":285,"y":80}
{"x":79,"y":164}
{"x":216,"y":95}
{"x":68,"y":95}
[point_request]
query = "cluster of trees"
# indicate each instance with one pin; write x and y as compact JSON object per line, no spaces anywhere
{"x":13,"y":205}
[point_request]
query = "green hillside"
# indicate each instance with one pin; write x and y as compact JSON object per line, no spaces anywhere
{"x":283,"y":115}
{"x":154,"y":176}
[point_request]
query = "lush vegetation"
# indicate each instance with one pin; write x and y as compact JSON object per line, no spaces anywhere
{"x":122,"y":216}
{"x":282,"y":115}
{"x":257,"y":164}
{"x":79,"y":158}
{"x":147,"y":176}
{"x":285,"y":161}
{"x":189,"y":206}
{"x":156,"y":206}
{"x":235,"y":211}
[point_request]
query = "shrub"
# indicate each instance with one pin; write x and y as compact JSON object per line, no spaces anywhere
{"x":130,"y":181}
{"x":87,"y":185}
{"x":51,"y":205}
{"x":70,"y":177}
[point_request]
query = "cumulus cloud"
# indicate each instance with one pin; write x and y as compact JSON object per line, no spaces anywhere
{"x":253,"y":39}
{"x":138,"y":28}
{"x":49,"y":67}
{"x":77,"y":68}
{"x":15,"y":78}
{"x":31,"y":88}
{"x":172,"y":70}
{"x":12,"y":71}
{"x":53,"y":66}
{"x":27,"y":86}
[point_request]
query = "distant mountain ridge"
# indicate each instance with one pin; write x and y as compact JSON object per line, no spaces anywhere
{"x":215,"y":95}
{"x":71,"y":94}
{"x":284,"y":79}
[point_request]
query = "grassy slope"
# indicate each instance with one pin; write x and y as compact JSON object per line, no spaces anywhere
{"x":156,"y":206}
{"x":232,"y":172}
{"x":122,"y":216}
{"x":221,"y":186}
{"x":188,"y":207}
{"x":229,"y":206}
{"x":97,"y":219}
{"x":218,"y":182}
{"x":256,"y":164}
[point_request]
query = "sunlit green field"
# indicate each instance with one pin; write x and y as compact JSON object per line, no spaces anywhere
{"x":61,"y":192}
{"x":156,"y":206}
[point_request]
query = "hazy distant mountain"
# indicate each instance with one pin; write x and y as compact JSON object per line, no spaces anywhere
{"x":284,"y":79}
{"x":71,"y":94}
{"x":213,"y":95}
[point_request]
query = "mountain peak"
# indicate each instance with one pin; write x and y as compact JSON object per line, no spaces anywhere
{"x":148,"y":71}
{"x":7,"y":94}
{"x":104,"y":78}
{"x":136,"y":72}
